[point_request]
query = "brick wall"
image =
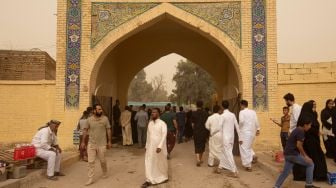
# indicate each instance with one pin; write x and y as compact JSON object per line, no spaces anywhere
{"x":307,"y":81}
{"x":26,"y":65}
{"x":307,"y":72}
{"x":25,"y":106}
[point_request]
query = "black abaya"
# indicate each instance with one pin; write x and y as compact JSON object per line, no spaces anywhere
{"x":313,"y":149}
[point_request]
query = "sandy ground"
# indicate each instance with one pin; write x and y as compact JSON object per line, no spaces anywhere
{"x":126,"y":169}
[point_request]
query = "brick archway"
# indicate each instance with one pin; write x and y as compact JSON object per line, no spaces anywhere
{"x":253,"y":58}
{"x":161,"y":12}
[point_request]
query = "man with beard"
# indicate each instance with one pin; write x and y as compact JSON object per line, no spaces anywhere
{"x":156,"y":164}
{"x":97,"y":126}
{"x":295,"y":110}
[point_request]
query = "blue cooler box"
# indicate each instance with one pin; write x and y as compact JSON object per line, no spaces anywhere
{"x":331,"y":178}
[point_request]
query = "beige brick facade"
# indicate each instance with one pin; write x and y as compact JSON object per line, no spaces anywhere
{"x":106,"y":68}
{"x":25,"y":106}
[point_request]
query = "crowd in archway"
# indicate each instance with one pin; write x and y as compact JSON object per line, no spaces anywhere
{"x":157,"y":132}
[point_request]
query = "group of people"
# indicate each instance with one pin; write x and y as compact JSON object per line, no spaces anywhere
{"x":134,"y":125}
{"x":158,"y":132}
{"x":92,"y":123}
{"x":222,"y":125}
{"x":300,"y":137}
{"x":219,"y":128}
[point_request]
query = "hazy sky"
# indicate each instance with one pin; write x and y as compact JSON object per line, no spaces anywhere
{"x":306,"y":31}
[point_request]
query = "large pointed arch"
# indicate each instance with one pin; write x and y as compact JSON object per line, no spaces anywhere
{"x":149,"y":18}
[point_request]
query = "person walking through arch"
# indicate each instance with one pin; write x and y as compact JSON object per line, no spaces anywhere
{"x":156,"y":164}
{"x":125,"y":122}
{"x":169,"y":117}
{"x":229,"y":124}
{"x":181,"y":120}
{"x":142,"y":121}
{"x":199,"y":117}
{"x":249,"y":129}
{"x":214,"y":125}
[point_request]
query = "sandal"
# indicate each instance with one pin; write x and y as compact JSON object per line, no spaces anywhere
{"x":146,"y":184}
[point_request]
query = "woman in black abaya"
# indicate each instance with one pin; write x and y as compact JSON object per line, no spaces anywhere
{"x":328,"y":138}
{"x":312,"y":146}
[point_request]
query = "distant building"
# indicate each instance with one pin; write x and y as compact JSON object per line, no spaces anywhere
{"x":26,"y":65}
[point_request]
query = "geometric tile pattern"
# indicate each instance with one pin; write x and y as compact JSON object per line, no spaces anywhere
{"x":226,"y":16}
{"x":259,"y":54}
{"x":107,"y":16}
{"x":73,"y":48}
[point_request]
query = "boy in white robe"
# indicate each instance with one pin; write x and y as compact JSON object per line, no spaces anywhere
{"x":214,"y":125}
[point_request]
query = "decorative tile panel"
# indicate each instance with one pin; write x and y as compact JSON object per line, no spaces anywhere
{"x":73,"y":48}
{"x":224,"y":15}
{"x":107,"y":16}
{"x":259,"y":54}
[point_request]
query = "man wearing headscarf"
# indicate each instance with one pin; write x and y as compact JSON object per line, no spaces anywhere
{"x":47,"y":148}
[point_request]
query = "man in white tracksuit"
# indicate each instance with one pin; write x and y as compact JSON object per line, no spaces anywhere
{"x":45,"y":142}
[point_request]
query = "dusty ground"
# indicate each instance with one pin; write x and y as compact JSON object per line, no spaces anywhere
{"x":126,"y":170}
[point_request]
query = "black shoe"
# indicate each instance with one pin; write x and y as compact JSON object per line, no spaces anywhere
{"x":311,"y":186}
{"x":146,"y":184}
{"x":59,"y":174}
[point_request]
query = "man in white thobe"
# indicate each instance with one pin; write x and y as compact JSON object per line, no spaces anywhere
{"x":156,"y":164}
{"x":125,"y":121}
{"x":295,"y":111}
{"x":229,"y":123}
{"x":214,"y":125}
{"x":45,"y":142}
{"x":249,"y":128}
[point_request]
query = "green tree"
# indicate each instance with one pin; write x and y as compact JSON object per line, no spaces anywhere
{"x":140,"y":89}
{"x":192,"y":83}
{"x":159,"y":92}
